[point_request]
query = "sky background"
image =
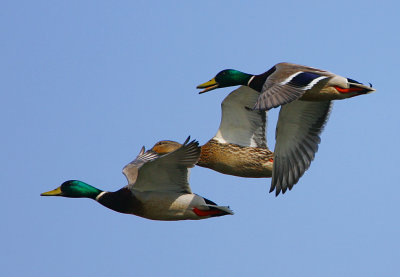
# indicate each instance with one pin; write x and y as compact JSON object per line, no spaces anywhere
{"x":85,"y":84}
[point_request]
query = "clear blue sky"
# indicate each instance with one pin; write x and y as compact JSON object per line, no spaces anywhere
{"x":85,"y":84}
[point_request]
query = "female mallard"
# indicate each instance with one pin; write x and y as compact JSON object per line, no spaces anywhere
{"x":157,"y":188}
{"x":300,"y":122}
{"x":239,"y":148}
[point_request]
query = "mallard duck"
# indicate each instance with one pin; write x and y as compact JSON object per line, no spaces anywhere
{"x":239,"y":148}
{"x":157,"y":188}
{"x":300,"y":122}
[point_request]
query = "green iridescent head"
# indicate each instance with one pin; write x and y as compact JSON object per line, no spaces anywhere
{"x":74,"y":189}
{"x":226,"y":78}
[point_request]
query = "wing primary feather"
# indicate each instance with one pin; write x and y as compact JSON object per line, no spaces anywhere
{"x":186,"y":141}
{"x":298,"y":132}
{"x":168,"y":172}
{"x":291,"y":166}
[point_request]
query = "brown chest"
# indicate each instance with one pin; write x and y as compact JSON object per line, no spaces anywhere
{"x":236,"y":160}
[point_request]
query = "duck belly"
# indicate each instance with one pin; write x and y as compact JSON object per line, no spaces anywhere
{"x":237,"y":160}
{"x":324,"y":94}
{"x":169,"y":205}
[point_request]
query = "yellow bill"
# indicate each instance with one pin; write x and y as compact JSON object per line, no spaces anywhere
{"x":54,"y":192}
{"x":210,"y":85}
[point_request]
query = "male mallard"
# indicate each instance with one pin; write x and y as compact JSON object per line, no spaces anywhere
{"x":239,"y":148}
{"x":300,"y":122}
{"x":157,"y":188}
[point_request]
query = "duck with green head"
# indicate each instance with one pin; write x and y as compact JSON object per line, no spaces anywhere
{"x":304,"y":94}
{"x":157,"y":188}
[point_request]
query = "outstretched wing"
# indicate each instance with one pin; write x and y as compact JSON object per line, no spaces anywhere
{"x":288,"y":83}
{"x":240,"y":124}
{"x":131,"y":170}
{"x":298,"y":132}
{"x":169,"y":172}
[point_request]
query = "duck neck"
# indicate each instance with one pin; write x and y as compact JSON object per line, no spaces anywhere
{"x":257,"y":82}
{"x":122,"y":201}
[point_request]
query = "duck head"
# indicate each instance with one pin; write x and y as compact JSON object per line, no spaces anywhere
{"x":165,"y":147}
{"x":226,"y":78}
{"x":74,"y":189}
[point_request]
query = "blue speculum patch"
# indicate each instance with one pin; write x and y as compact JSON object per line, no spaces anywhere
{"x":303,"y":79}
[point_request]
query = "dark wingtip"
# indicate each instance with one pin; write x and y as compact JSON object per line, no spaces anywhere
{"x":277,"y":191}
{"x":187,"y":140}
{"x":271,"y":189}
